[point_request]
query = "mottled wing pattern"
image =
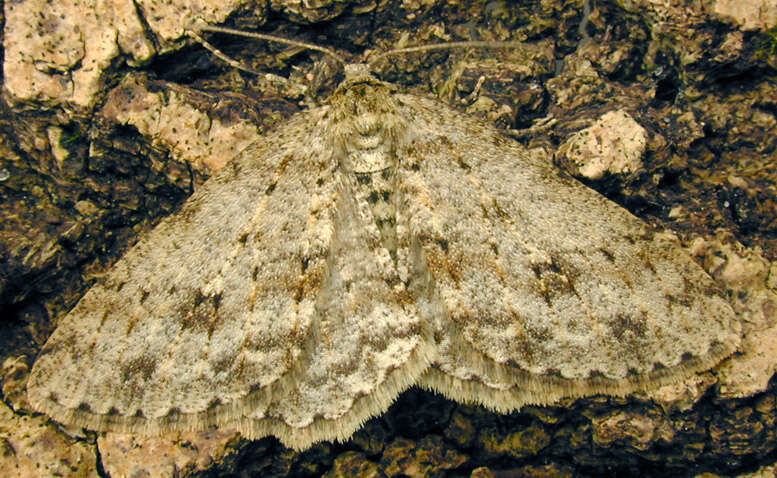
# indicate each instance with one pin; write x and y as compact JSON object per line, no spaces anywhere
{"x":546,"y":288}
{"x":367,"y":344}
{"x":260,"y":305}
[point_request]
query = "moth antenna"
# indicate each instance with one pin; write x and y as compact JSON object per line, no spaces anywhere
{"x":450,"y":45}
{"x":223,"y":56}
{"x":259,"y":36}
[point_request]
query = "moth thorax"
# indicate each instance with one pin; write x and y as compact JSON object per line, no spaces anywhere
{"x":367,"y":142}
{"x":369,"y":160}
{"x":366,"y":126}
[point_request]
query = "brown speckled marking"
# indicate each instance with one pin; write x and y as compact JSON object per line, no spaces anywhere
{"x":628,"y":327}
{"x":142,"y":368}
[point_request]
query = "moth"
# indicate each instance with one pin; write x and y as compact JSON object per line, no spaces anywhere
{"x":380,"y":241}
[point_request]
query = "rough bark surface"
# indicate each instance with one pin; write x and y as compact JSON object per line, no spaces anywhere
{"x":111,"y":116}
